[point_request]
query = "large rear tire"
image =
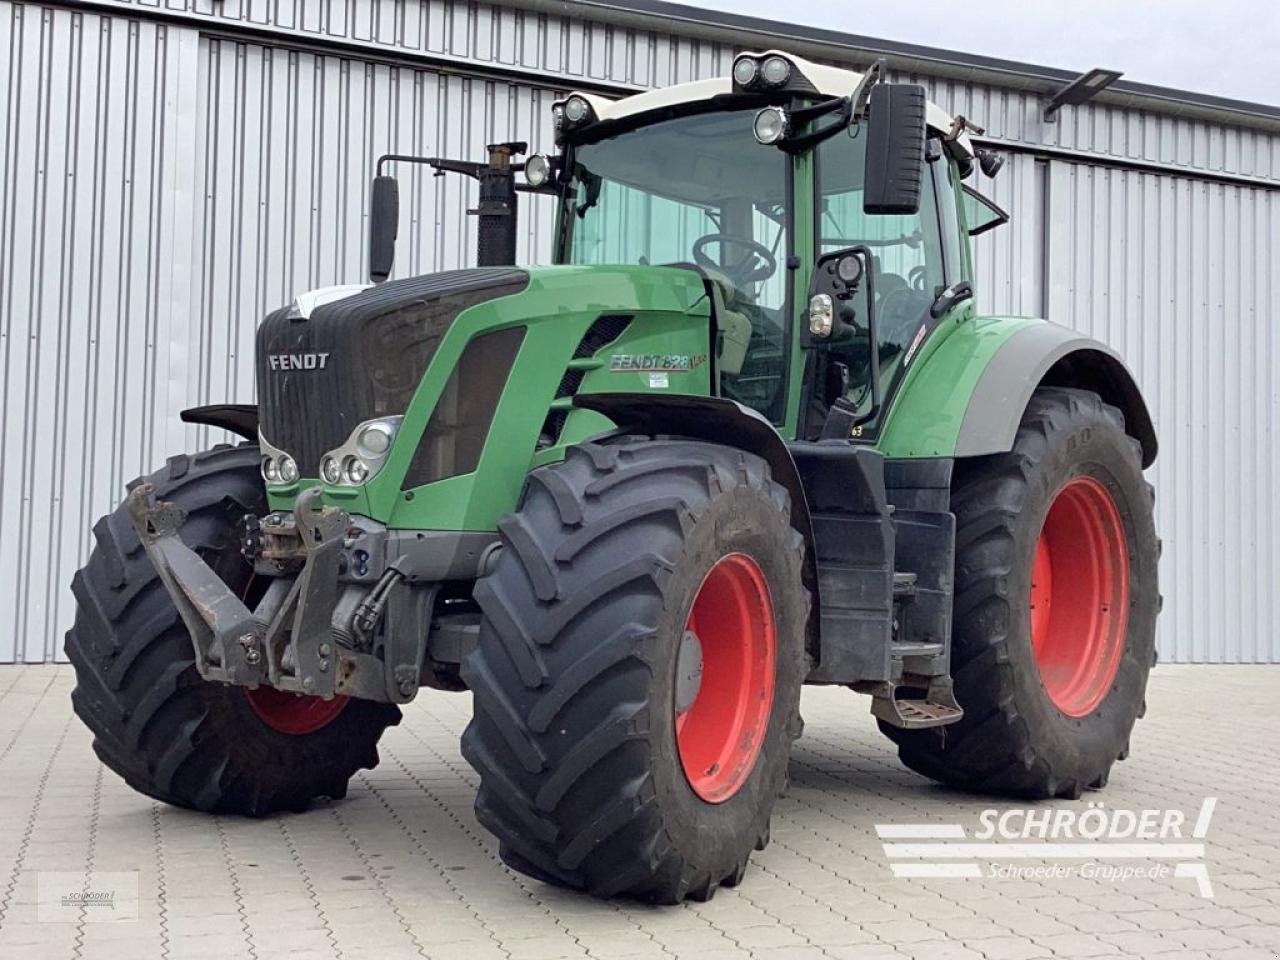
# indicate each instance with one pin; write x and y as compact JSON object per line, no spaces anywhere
{"x":155,"y":722}
{"x":606,"y":765}
{"x":1056,"y":597}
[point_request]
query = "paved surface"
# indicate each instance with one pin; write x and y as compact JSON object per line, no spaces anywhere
{"x":401,"y":869}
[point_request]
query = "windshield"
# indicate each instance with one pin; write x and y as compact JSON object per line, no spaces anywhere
{"x":697,"y":191}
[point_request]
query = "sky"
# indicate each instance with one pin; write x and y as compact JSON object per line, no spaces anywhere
{"x":1222,"y":47}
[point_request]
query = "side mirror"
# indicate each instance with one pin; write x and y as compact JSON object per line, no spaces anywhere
{"x":895,"y":149}
{"x":384,"y":224}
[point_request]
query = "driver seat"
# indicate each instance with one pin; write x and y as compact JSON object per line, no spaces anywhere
{"x":734,"y":326}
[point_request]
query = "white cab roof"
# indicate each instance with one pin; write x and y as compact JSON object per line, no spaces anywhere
{"x":831,"y":81}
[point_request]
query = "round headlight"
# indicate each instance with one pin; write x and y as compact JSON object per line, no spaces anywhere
{"x":329,"y":471}
{"x":821,"y":315}
{"x":355,"y":470}
{"x":775,"y":71}
{"x":288,"y":469}
{"x":770,"y":125}
{"x":537,"y":170}
{"x":270,"y":470}
{"x":576,"y":109}
{"x":745,"y":71}
{"x":374,"y":440}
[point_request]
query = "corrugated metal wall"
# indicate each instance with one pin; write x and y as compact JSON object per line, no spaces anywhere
{"x":165,"y":184}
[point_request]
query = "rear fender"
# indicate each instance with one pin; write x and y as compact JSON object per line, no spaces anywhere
{"x":1045,"y":354}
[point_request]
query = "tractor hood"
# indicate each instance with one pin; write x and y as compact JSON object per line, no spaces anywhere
{"x":456,"y":358}
{"x":322,"y":371}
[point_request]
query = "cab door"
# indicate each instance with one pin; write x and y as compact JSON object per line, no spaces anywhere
{"x":917,"y":260}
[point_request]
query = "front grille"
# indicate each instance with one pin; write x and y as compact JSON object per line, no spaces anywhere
{"x":359,"y":358}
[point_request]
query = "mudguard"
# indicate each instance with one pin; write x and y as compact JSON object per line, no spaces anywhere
{"x":1045,"y":354}
{"x":238,"y":418}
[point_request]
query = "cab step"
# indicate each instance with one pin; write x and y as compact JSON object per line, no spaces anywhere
{"x":937,"y":709}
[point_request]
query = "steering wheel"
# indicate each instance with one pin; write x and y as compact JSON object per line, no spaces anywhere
{"x":757,"y":263}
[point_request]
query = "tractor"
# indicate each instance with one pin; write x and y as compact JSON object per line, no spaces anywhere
{"x":748,"y":431}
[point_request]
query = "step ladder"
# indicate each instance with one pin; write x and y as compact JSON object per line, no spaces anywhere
{"x":938,"y":708}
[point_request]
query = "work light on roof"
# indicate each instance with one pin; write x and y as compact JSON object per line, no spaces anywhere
{"x":745,"y":71}
{"x":775,"y":71}
{"x":576,"y":109}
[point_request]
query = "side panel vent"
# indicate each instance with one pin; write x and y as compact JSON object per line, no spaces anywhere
{"x":603,"y":331}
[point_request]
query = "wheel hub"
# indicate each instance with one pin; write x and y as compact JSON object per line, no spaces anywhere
{"x":725,"y":678}
{"x":1079,"y":601}
{"x":293,"y":713}
{"x":688,"y":671}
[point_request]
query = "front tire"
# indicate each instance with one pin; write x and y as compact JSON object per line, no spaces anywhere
{"x":605,"y":765}
{"x":167,"y":732}
{"x":1056,"y":596}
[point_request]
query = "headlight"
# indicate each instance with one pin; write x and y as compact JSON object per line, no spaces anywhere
{"x":329,"y":471}
{"x":775,"y":71}
{"x":374,"y":440}
{"x":277,"y":466}
{"x":363,"y":455}
{"x":771,"y":125}
{"x":355,"y":471}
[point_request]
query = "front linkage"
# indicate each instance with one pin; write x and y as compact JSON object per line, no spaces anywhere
{"x":330,"y":603}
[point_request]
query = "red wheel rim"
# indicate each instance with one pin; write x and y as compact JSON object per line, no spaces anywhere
{"x":719,"y":736}
{"x":1080,"y":596}
{"x":293,"y":713}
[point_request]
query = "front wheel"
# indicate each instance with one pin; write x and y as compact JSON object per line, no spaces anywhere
{"x":170,"y":734}
{"x":1056,"y":598}
{"x":637,"y":676}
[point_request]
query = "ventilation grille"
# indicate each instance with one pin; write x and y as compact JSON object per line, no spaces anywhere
{"x":602,"y":332}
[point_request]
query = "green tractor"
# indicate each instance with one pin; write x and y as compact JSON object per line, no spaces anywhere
{"x":748,"y":432}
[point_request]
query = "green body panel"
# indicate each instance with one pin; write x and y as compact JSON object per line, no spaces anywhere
{"x":671,"y":316}
{"x":925,"y":416}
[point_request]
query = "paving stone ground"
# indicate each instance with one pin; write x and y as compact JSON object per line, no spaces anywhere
{"x":400,"y":868}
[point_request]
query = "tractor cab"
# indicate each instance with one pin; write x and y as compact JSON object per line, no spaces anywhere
{"x":759,"y":181}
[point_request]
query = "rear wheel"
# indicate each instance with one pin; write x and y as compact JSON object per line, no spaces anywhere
{"x":1056,"y":598}
{"x":155,"y":721}
{"x":637,"y":677}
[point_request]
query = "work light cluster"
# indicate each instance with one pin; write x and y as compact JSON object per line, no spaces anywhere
{"x":754,"y":73}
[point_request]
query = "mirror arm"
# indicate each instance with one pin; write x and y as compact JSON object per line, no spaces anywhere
{"x":440,"y":164}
